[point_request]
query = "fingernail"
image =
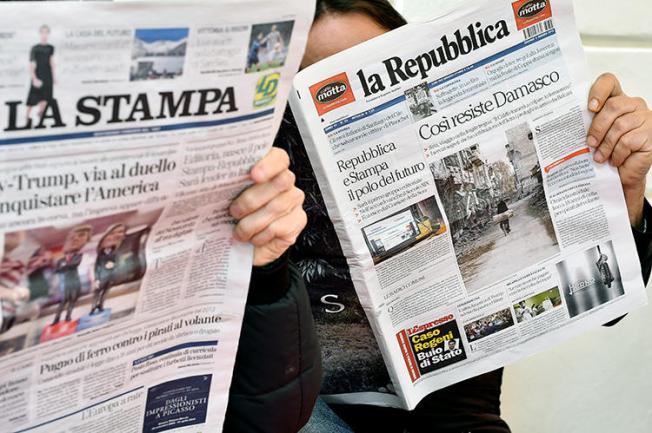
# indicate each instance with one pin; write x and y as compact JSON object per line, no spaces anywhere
{"x":598,"y":157}
{"x":591,"y":141}
{"x":257,"y":173}
{"x":235,"y":211}
{"x":593,"y":105}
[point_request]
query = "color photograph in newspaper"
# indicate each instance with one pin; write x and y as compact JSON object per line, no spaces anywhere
{"x":66,"y":279}
{"x":404,"y":229}
{"x":489,"y":325}
{"x":431,"y":346}
{"x":537,"y":305}
{"x":158,"y":53}
{"x":268,"y":45}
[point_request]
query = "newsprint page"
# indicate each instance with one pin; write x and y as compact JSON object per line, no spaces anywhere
{"x":126,"y":130}
{"x":452,"y":159}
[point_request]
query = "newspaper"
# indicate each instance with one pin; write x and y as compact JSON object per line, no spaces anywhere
{"x":126,"y":131}
{"x":452,"y":159}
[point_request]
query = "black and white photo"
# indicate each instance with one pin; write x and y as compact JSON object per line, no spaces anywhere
{"x":495,"y":203}
{"x":420,"y":102}
{"x":590,"y":279}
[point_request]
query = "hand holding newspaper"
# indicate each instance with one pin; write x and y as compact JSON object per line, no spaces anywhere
{"x":127,"y":130}
{"x":452,"y":158}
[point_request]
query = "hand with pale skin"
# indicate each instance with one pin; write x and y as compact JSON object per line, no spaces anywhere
{"x":621,"y":134}
{"x":270,"y":212}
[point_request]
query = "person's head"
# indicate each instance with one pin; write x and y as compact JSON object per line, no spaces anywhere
{"x":44,"y":33}
{"x":77,"y":238}
{"x":260,"y":36}
{"x":274,"y":27}
{"x":342,"y":24}
{"x":113,"y":237}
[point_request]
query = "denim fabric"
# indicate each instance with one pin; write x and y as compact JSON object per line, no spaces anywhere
{"x":324,"y":420}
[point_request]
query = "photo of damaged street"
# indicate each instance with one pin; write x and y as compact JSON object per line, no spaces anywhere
{"x":495,"y":202}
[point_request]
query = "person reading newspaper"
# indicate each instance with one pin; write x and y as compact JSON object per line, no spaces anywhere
{"x":278,"y":366}
{"x":621,"y":133}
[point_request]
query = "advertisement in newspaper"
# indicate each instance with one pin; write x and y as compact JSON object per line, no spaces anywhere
{"x":455,"y":169}
{"x":125,"y":137}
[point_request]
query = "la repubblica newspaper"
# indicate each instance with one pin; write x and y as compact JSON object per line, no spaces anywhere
{"x":126,"y":131}
{"x":452,"y":159}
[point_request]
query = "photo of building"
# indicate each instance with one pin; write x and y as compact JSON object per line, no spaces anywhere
{"x":420,"y":102}
{"x":158,"y":53}
{"x":494,"y":200}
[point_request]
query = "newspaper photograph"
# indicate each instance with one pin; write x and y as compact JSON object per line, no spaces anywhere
{"x":125,"y":138}
{"x":453,"y":162}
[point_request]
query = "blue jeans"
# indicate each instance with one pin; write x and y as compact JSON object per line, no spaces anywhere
{"x":324,"y":420}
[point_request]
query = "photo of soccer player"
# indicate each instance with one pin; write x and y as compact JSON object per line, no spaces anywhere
{"x":268,"y":45}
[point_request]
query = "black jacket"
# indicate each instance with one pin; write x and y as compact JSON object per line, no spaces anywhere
{"x":277,"y":373}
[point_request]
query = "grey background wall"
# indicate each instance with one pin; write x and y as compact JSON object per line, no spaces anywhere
{"x":600,"y":382}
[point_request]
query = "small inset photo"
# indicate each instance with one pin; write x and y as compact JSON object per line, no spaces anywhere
{"x":177,"y":404}
{"x":404,"y":229}
{"x":268,"y":45}
{"x":489,"y":325}
{"x":158,"y":53}
{"x":590,"y":279}
{"x":420,"y":102}
{"x":537,"y":305}
{"x":431,"y":346}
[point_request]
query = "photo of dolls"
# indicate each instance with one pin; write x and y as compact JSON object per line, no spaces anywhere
{"x":66,"y":268}
{"x":105,"y":264}
{"x":56,"y":281}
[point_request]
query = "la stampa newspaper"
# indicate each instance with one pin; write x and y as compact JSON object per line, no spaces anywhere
{"x":126,"y":131}
{"x":452,"y":159}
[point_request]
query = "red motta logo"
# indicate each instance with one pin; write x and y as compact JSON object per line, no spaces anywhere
{"x":332,"y":93}
{"x":528,"y":12}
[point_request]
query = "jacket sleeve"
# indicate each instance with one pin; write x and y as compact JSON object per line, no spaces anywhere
{"x":277,"y":373}
{"x":643,"y":241}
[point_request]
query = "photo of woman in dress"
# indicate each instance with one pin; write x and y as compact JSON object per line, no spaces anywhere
{"x":105,"y":264}
{"x":41,"y":69}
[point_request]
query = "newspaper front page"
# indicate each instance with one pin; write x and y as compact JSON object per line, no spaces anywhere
{"x":452,"y":159}
{"x":126,"y":131}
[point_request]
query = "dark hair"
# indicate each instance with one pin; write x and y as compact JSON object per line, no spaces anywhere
{"x":380,"y":11}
